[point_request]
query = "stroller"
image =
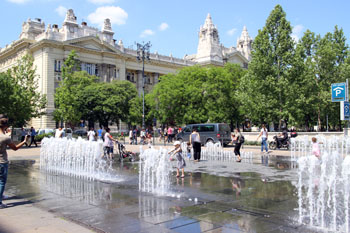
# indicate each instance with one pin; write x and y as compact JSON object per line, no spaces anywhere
{"x":123,"y":153}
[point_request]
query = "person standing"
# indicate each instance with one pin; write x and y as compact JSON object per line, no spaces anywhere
{"x":165,"y":134}
{"x":130,"y":136}
{"x":91,"y":134}
{"x":239,"y":140}
{"x":4,"y":142}
{"x":195,"y":140}
{"x":264,"y":136}
{"x":24,"y":134}
{"x":32,"y":137}
{"x":108,"y":144}
{"x":170,"y":134}
{"x":99,"y":133}
{"x":134,"y":136}
{"x":59,"y":133}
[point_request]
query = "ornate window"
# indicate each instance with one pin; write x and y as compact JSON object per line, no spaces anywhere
{"x":57,"y":66}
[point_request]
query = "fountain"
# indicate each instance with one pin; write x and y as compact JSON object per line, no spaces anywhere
{"x":215,"y":152}
{"x":76,"y":158}
{"x":154,"y":171}
{"x":323,"y":184}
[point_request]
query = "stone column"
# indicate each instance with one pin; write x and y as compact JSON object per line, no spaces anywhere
{"x":122,"y":71}
{"x":156,"y":78}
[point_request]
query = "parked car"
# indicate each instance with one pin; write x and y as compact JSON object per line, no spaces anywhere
{"x":45,"y":131}
{"x":209,"y":132}
{"x":68,"y":132}
{"x":80,"y":132}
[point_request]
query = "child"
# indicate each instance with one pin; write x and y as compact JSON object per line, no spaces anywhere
{"x":180,"y":160}
{"x":315,"y":148}
{"x":189,"y":150}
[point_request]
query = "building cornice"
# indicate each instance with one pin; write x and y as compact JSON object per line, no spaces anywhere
{"x":15,"y":47}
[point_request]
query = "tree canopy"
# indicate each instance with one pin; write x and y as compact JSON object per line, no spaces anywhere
{"x":19,"y":96}
{"x":196,"y":95}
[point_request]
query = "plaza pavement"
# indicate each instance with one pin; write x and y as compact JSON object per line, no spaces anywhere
{"x":34,"y":219}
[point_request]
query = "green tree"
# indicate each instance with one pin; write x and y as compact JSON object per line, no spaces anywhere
{"x":107,"y":102}
{"x":319,"y":62}
{"x":222,"y":100}
{"x":178,"y":98}
{"x":263,"y":88}
{"x":197,"y":95}
{"x":20,"y":96}
{"x":135,"y":112}
{"x":68,"y":95}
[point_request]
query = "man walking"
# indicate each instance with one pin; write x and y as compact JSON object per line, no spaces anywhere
{"x":32,"y":137}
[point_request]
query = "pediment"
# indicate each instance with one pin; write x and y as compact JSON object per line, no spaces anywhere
{"x":236,"y":56}
{"x":92,"y":43}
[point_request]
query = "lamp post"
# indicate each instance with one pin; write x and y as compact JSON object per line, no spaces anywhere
{"x":143,"y":54}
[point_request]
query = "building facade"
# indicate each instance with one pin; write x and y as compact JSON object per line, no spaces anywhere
{"x":101,"y":55}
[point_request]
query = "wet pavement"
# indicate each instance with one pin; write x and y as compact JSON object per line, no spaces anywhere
{"x":252,"y":196}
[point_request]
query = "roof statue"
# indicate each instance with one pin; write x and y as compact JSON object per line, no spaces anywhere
{"x":107,"y":26}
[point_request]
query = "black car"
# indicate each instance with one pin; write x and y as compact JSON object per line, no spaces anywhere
{"x":80,"y":132}
{"x":209,"y":132}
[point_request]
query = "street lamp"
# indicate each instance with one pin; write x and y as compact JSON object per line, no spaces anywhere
{"x":142,"y":54}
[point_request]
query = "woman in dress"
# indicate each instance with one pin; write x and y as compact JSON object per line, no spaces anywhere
{"x":181,"y":164}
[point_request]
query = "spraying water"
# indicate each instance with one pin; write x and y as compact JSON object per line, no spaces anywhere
{"x":76,"y":158}
{"x":323,"y":184}
{"x":154,"y":171}
{"x":215,"y":152}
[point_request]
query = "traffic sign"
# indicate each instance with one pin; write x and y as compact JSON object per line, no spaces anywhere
{"x":344,"y":111}
{"x":339,"y":92}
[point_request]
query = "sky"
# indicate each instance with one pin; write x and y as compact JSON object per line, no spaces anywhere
{"x":172,"y":26}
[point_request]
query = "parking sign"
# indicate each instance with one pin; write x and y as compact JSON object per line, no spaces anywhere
{"x":339,"y":92}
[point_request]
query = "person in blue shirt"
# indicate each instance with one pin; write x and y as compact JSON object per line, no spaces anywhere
{"x":32,"y":136}
{"x":99,"y":133}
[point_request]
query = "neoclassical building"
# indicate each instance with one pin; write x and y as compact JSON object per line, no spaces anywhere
{"x":103,"y":56}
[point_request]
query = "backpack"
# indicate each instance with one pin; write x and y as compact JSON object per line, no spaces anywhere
{"x":241,"y":139}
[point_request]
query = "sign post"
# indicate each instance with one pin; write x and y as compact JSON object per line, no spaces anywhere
{"x":340,"y":93}
{"x":344,"y":111}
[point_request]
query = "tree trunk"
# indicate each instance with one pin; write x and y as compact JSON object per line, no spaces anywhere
{"x":319,"y":124}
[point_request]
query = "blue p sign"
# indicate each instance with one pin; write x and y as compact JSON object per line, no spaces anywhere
{"x":346,"y":109}
{"x":338,"y":92}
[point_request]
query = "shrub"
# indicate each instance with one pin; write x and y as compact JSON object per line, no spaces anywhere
{"x":40,"y":137}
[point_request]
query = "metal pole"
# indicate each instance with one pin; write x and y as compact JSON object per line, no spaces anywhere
{"x":143,"y":89}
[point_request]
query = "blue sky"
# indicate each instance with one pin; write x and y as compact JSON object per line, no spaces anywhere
{"x":172,"y":26}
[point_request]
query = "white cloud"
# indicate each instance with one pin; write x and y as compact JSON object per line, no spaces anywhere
{"x":61,"y":11}
{"x":101,"y":2}
{"x":163,"y":26}
{"x":147,"y":32}
{"x":232,"y":31}
{"x":116,"y":14}
{"x":18,"y":1}
{"x":297,"y":32}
